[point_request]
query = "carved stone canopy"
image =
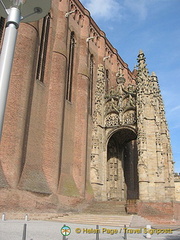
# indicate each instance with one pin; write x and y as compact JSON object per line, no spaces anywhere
{"x":120,"y":106}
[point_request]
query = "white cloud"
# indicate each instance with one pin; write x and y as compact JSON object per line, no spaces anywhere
{"x":175,"y":108}
{"x":138,"y":7}
{"x":176,"y":127}
{"x":118,"y":9}
{"x":106,"y":9}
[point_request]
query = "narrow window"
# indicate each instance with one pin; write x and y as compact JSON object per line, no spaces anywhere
{"x":91,"y":83}
{"x":2,"y":23}
{"x":43,"y":48}
{"x":70,"y":67}
{"x":107,"y":80}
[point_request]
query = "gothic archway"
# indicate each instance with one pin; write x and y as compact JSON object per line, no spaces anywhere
{"x":122,"y":158}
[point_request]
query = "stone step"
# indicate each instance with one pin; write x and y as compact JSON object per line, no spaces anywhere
{"x":107,"y":208}
{"x":96,"y":219}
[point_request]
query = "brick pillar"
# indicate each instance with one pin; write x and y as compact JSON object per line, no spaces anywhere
{"x":41,"y":171}
{"x":67,"y":186}
{"x":13,"y":143}
{"x":56,"y":96}
{"x":81,"y":112}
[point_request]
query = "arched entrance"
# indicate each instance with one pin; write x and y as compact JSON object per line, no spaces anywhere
{"x":122,"y":158}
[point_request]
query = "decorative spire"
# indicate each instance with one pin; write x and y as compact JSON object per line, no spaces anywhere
{"x":142,"y":64}
{"x":154,"y":83}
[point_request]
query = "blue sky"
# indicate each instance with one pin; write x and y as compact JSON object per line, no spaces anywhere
{"x":154,"y":27}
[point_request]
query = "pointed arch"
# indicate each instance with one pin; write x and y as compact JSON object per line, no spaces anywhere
{"x":122,"y":159}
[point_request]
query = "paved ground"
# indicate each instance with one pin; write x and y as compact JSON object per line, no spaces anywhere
{"x":83,"y":227}
{"x":49,"y":230}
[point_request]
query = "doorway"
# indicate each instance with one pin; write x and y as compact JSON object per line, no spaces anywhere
{"x":122,"y":174}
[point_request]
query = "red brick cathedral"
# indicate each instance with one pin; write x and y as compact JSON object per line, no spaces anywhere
{"x":79,"y":126}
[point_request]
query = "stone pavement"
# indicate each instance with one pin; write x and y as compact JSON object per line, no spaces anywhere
{"x":83,"y":226}
{"x":49,"y":230}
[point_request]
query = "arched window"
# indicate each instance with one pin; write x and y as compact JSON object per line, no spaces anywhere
{"x":43,"y":48}
{"x":70,"y":67}
{"x":91,"y":77}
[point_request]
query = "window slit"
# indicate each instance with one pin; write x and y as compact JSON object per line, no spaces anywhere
{"x":2,"y":24}
{"x":70,"y":68}
{"x":43,"y":48}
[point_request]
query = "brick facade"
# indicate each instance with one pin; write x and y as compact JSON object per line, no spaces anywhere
{"x":86,"y":127}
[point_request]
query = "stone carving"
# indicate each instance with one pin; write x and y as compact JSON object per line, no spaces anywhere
{"x":97,"y":121}
{"x":95,"y":143}
{"x":129,"y":118}
{"x":120,"y":77}
{"x":112,"y":120}
{"x":99,"y":93}
{"x":120,"y":106}
{"x":95,"y":176}
{"x":158,"y":141}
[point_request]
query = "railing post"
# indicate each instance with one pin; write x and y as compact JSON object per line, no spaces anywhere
{"x":125,"y":232}
{"x":24,"y":232}
{"x":26,"y":217}
{"x":148,"y":235}
{"x":3,"y":217}
{"x":97,"y":232}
